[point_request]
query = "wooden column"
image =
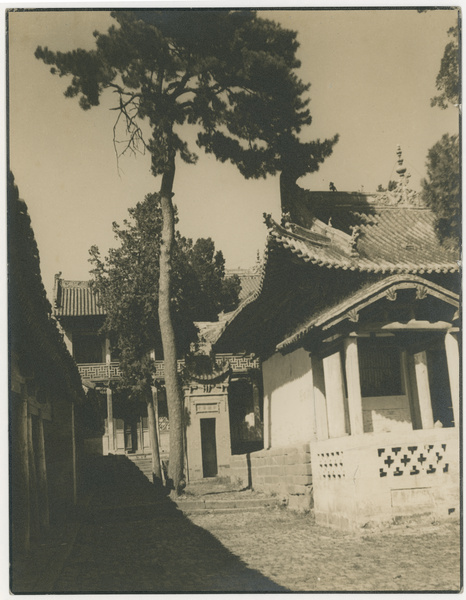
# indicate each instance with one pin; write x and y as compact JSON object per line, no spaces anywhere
{"x":320,"y":404}
{"x":74,"y":457}
{"x":453,"y":361}
{"x":42,"y":476}
{"x":335,"y":395}
{"x":423,"y":390}
{"x":21,"y":507}
{"x":33,"y":492}
{"x":108,"y":356}
{"x":110,"y":428}
{"x":354,"y":386}
{"x":267,"y":416}
{"x":256,"y":403}
{"x":409,"y":375}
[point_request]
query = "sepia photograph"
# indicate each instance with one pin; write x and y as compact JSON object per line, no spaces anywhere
{"x":234,"y":334}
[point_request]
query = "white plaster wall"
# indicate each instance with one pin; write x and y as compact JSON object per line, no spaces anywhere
{"x":288,"y":390}
{"x":386,"y":413}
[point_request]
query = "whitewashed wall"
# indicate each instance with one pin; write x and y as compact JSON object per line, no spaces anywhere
{"x":287,"y":399}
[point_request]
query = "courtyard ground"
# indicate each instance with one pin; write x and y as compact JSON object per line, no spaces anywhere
{"x":132,"y":538}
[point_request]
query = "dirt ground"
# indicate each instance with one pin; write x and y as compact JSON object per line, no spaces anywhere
{"x":291,"y":550}
{"x":130,"y":537}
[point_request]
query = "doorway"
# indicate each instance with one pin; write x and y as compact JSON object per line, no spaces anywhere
{"x":131,"y":436}
{"x":209,"y":448}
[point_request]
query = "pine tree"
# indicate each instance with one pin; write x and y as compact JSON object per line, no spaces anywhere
{"x":229,"y":73}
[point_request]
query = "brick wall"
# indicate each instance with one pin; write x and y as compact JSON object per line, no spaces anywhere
{"x":282,"y":471}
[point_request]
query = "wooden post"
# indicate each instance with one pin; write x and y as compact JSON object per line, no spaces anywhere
{"x":108,"y":356}
{"x":256,"y":403}
{"x":423,"y":390}
{"x":21,"y":505}
{"x":320,"y":404}
{"x":73,"y":450}
{"x":110,"y":429}
{"x":409,"y":375}
{"x":453,"y":361}
{"x":267,"y":424}
{"x":335,"y":395}
{"x":33,"y":492}
{"x":42,"y":476}
{"x":354,"y":386}
{"x":153,"y":434}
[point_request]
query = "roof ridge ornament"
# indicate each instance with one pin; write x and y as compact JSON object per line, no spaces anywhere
{"x":402,"y":194}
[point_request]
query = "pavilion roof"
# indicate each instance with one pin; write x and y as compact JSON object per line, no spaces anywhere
{"x":364,"y":238}
{"x":76,"y":299}
{"x":383,"y":239}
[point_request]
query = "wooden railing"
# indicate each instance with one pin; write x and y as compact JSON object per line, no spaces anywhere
{"x":106,"y":371}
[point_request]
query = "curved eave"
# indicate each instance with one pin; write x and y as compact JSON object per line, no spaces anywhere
{"x":248,"y":301}
{"x":357,"y":263}
{"x":363,"y":298}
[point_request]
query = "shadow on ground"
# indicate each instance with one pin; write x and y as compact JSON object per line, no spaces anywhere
{"x":133,"y":538}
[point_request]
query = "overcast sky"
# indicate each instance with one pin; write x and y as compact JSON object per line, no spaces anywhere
{"x":372,"y":74}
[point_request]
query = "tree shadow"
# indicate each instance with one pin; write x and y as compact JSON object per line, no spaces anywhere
{"x":133,"y":538}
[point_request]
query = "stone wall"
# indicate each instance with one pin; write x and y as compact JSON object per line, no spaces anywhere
{"x":378,"y":477}
{"x":282,"y":471}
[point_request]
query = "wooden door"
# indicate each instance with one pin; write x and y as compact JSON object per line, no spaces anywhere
{"x":209,"y":448}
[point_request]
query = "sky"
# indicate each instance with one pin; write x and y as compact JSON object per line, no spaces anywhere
{"x":372,"y":74}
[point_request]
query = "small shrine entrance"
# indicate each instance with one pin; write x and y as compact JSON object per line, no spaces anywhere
{"x":208,"y":448}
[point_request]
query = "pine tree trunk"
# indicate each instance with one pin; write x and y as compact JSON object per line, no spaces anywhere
{"x":154,"y":440}
{"x":174,"y":394}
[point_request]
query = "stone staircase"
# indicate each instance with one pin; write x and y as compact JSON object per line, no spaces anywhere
{"x":143,"y":462}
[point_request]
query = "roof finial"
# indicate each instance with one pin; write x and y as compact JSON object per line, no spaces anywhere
{"x":401,"y":170}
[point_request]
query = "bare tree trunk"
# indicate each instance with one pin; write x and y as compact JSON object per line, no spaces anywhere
{"x":174,"y":394}
{"x":154,"y":439}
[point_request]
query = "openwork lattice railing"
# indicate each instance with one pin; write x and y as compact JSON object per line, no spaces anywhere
{"x":104,"y":371}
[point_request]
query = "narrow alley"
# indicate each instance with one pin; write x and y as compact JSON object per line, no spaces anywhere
{"x":132,"y":538}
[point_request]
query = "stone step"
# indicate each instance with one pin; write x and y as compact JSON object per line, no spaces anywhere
{"x":221,"y":505}
{"x":223,"y":511}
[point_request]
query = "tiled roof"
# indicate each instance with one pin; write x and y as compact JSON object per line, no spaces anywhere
{"x":34,"y":335}
{"x":388,"y":240}
{"x":76,"y":299}
{"x":249,"y":279}
{"x":307,"y":267}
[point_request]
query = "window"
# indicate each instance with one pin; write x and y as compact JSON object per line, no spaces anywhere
{"x":87,"y":348}
{"x":379,"y":367}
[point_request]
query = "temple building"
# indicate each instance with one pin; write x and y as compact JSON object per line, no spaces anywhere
{"x":46,"y":399}
{"x":356,"y":324}
{"x":223,"y":397}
